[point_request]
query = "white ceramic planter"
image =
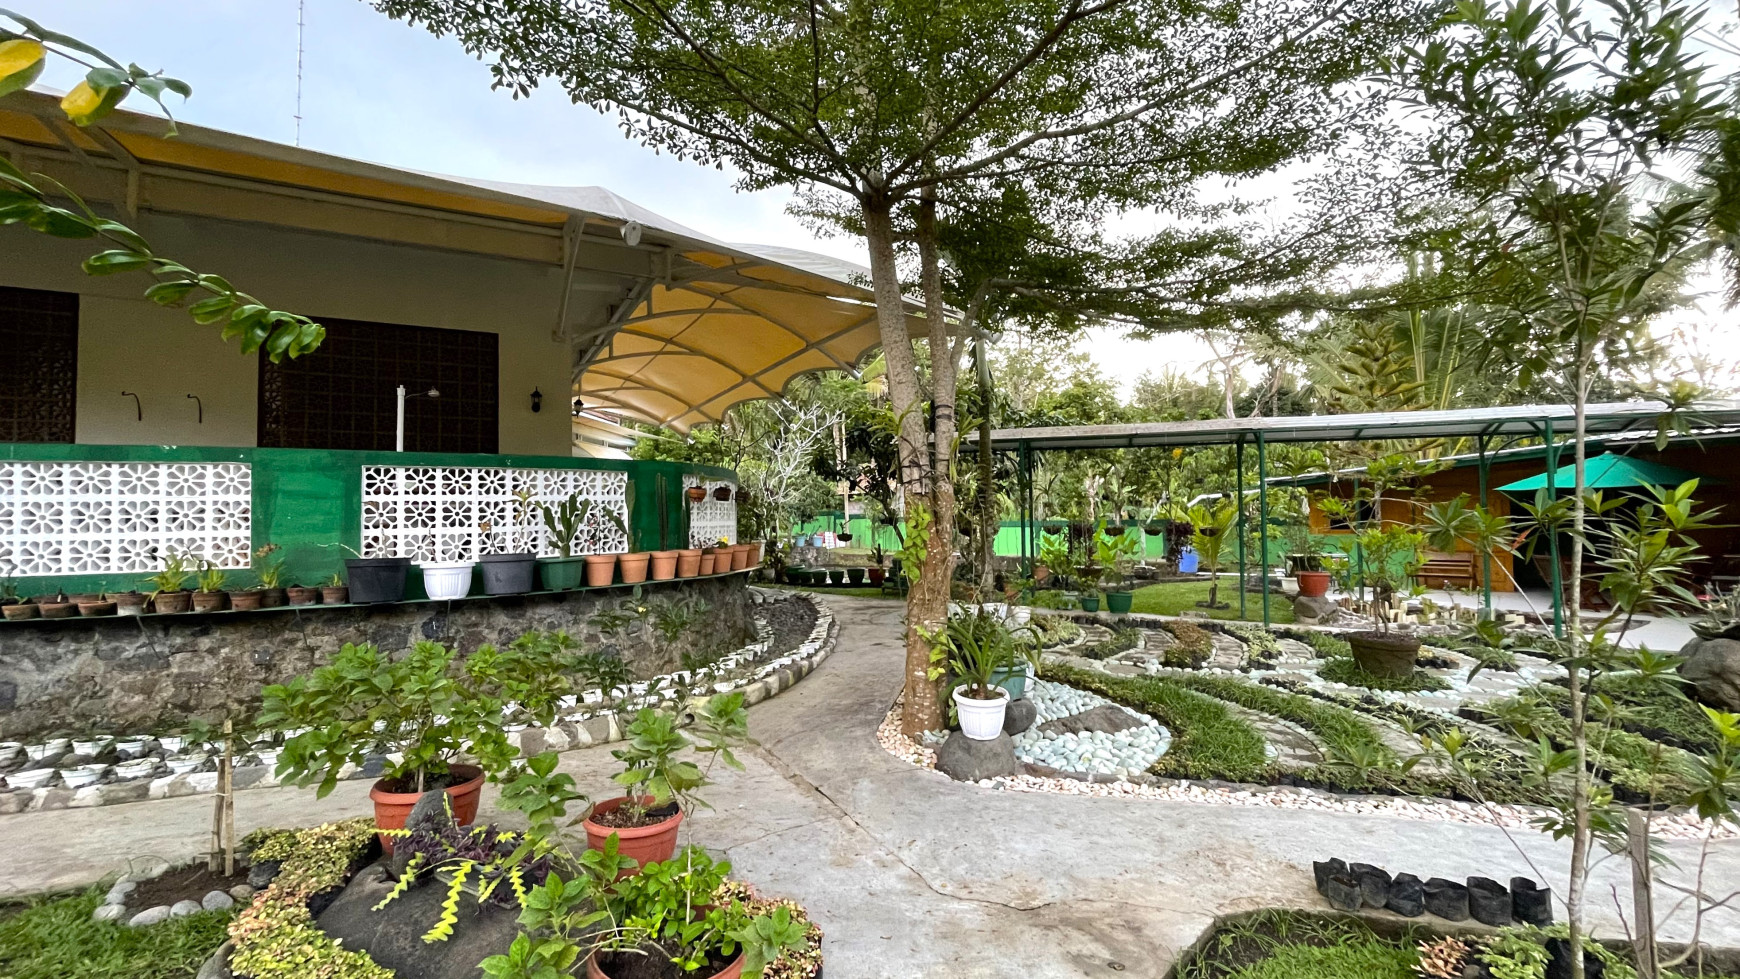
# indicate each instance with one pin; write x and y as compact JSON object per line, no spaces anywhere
{"x":34,"y":778}
{"x":170,"y":743}
{"x":182,"y":764}
{"x":131,"y":747}
{"x":37,"y":752}
{"x":80,"y":776}
{"x":129,"y":770}
{"x":90,"y":747}
{"x":447,"y":579}
{"x":981,"y":720}
{"x":9,"y":750}
{"x":269,"y":756}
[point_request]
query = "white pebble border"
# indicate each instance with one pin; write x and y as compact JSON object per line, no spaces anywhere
{"x":1124,"y":753}
{"x":744,"y":670}
{"x":1678,"y":826}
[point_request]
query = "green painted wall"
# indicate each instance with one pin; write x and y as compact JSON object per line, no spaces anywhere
{"x":309,"y":501}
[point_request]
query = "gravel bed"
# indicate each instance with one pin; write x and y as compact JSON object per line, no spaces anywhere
{"x":1123,"y":753}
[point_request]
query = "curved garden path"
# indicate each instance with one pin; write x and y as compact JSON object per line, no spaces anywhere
{"x":912,"y":874}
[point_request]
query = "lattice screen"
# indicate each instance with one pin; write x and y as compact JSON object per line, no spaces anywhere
{"x":437,"y":513}
{"x":118,"y":517}
{"x":711,"y":519}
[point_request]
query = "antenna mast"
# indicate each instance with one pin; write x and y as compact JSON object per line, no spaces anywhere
{"x":301,"y":9}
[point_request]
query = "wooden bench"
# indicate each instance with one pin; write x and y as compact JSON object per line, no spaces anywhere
{"x":1442,"y":569}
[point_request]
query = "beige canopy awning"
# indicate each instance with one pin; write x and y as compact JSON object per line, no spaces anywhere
{"x":700,"y":324}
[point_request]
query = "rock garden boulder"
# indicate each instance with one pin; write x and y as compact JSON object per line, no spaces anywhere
{"x":393,"y":936}
{"x":1019,"y":716}
{"x":1712,"y":667}
{"x":963,"y":759}
{"x":1106,"y":719}
{"x":1316,"y":609}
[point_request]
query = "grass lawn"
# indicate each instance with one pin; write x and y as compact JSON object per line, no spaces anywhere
{"x":1174,"y":597}
{"x":55,"y":938}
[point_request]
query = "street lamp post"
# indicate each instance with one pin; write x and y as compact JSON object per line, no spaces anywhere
{"x":399,"y":428}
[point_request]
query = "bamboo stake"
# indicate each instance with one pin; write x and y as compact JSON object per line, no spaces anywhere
{"x":229,"y":790}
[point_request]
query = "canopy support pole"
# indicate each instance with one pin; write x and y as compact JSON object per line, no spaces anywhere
{"x":1239,"y":499}
{"x":1553,"y":534}
{"x":1485,"y":552}
{"x":1029,"y":545}
{"x":1263,"y":521}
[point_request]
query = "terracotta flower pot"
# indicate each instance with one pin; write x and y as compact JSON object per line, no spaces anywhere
{"x":1313,"y":584}
{"x":209,"y":601}
{"x":722,"y":494}
{"x":273,"y":597}
{"x":696,"y":493}
{"x":664,"y":565}
{"x":688,"y":562}
{"x":246,"y":601}
{"x":392,"y":808}
{"x":732,"y":971}
{"x":634,"y":567}
{"x":297,"y":595}
{"x":740,"y":556}
{"x":646,"y":844}
{"x":709,"y":560}
{"x":1384,"y":653}
{"x":92,"y":609}
{"x":20,"y":611}
{"x":600,"y":570}
{"x":876,"y":575}
{"x":334,"y":595}
{"x":130,"y":602}
{"x":171,"y":601}
{"x":58,"y":610}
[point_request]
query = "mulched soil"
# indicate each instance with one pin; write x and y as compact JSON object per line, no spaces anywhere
{"x":189,"y":883}
{"x":623,"y":818}
{"x":653,"y":965}
{"x":791,"y":621}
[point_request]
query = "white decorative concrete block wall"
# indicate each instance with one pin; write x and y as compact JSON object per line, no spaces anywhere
{"x":60,"y":518}
{"x":711,"y":519}
{"x":451,"y":513}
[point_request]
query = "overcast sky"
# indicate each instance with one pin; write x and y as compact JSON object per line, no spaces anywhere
{"x":376,"y":89}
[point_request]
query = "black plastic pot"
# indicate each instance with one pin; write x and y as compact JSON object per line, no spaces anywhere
{"x":1488,"y":901}
{"x":1384,"y":653}
{"x":1531,"y":903}
{"x":1374,"y":883}
{"x":1447,"y":899}
{"x":1559,"y":961}
{"x":1407,"y":896}
{"x":1343,"y":893}
{"x":506,"y":574}
{"x":1322,"y":870}
{"x":376,"y":579}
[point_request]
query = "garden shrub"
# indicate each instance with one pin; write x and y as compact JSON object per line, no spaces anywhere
{"x":1055,"y":630}
{"x":1191,"y":648}
{"x":1262,"y":648}
{"x":1345,"y":669}
{"x":1636,"y":767}
{"x":1122,"y":639}
{"x":1207,"y":740}
{"x":1322,"y":643}
{"x":276,"y":937}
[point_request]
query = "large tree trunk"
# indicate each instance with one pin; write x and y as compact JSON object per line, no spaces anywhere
{"x":924,"y":612}
{"x":928,"y":603}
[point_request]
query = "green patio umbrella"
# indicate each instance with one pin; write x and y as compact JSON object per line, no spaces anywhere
{"x":1609,"y":471}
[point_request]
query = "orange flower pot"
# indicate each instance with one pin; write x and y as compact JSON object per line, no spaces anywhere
{"x":664,"y":565}
{"x":709,"y":561}
{"x":634,"y":567}
{"x":646,"y":844}
{"x":689,"y":562}
{"x":392,"y":808}
{"x":740,"y":556}
{"x":600,"y":570}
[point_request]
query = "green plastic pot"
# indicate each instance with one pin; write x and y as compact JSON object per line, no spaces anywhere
{"x":855,"y":575}
{"x":1089,"y":603}
{"x":562,"y":573}
{"x":1119,"y":601}
{"x":1013,"y":680}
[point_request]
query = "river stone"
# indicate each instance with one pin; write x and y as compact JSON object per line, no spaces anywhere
{"x":261,"y":872}
{"x":963,"y":759}
{"x":1712,"y":667}
{"x":109,"y":912}
{"x":217,"y":901}
{"x":1106,"y":718}
{"x":150,"y":916}
{"x":118,"y":893}
{"x":1019,"y":716}
{"x":242,"y":893}
{"x":393,"y":936}
{"x":1314,"y":609}
{"x":181,"y":909}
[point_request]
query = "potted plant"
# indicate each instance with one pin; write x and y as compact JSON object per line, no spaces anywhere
{"x":661,"y":786}
{"x":722,"y":494}
{"x":507,"y":572}
{"x":563,"y":523}
{"x":1117,"y":552}
{"x":855,"y":575}
{"x":298,"y":595}
{"x":1389,"y":556}
{"x":663,"y":566}
{"x":372,"y":579}
{"x":271,"y":572}
{"x":696,"y":493}
{"x":446,"y":580}
{"x":210,"y":596}
{"x":130,"y":602}
{"x":633,"y":566}
{"x":689,"y":562}
{"x":246,"y":599}
{"x":335,"y":592}
{"x":168,"y":587}
{"x":1210,"y":525}
{"x":423,"y":709}
{"x":709,"y":559}
{"x":1305,"y":560}
{"x":102,"y":606}
{"x":979,"y":650}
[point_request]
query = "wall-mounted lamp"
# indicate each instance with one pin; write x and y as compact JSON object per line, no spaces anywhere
{"x":201,"y":405}
{"x":537,"y":401}
{"x":138,"y":409}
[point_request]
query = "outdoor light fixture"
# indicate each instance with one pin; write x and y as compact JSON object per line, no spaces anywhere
{"x":537,"y":401}
{"x":631,"y":233}
{"x":399,"y":432}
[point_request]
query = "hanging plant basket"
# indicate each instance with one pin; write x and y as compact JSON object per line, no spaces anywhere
{"x":1153,"y":529}
{"x":696,"y":494}
{"x":722,"y":494}
{"x":843,"y":537}
{"x":742,"y":497}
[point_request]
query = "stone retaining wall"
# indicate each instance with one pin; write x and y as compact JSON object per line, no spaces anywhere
{"x":120,"y":674}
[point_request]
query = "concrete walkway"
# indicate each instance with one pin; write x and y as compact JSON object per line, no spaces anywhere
{"x":911,"y":874}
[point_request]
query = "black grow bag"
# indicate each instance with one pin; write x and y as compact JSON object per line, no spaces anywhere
{"x":506,"y":574}
{"x":377,"y":579}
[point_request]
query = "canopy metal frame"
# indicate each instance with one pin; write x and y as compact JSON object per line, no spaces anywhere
{"x":1546,"y":423}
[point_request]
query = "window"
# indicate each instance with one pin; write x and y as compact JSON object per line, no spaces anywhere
{"x":40,"y":370}
{"x":342,"y":396}
{"x":1364,"y":515}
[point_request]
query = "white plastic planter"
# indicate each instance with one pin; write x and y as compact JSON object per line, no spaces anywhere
{"x":138,"y":768}
{"x":182,"y":764}
{"x":80,"y":776}
{"x":33,"y":778}
{"x":981,"y":720}
{"x":170,"y":743}
{"x":37,"y":752}
{"x":445,"y":580}
{"x":10,"y":750}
